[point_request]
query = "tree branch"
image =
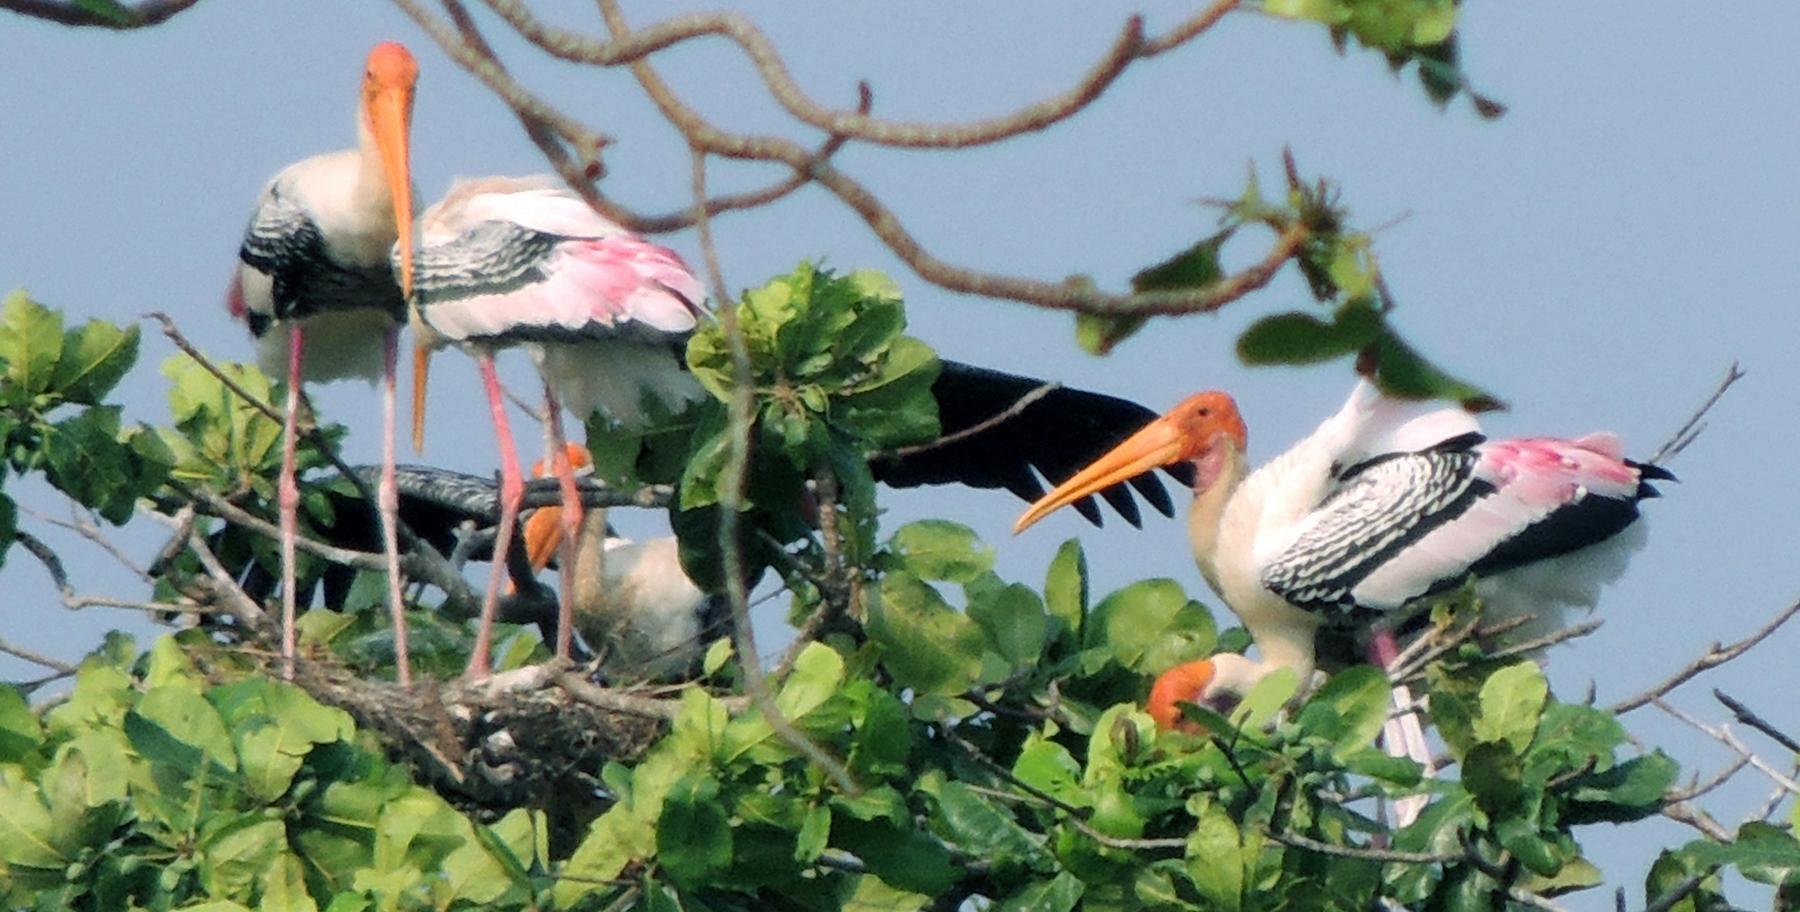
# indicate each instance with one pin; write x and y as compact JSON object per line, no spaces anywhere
{"x":1715,"y":656}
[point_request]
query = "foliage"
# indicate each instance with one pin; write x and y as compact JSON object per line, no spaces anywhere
{"x":951,"y":739}
{"x":154,"y":787}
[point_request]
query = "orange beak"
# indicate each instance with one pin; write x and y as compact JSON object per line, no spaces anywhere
{"x":1160,"y":443}
{"x":387,"y":101}
{"x":421,"y":367}
{"x":544,"y":531}
{"x":387,"y":108}
{"x":1184,"y":683}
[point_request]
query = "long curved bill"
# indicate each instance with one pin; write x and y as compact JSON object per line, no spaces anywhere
{"x":1160,"y":443}
{"x":388,"y":105}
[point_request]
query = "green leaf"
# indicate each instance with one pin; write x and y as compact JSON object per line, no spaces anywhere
{"x":27,"y":832}
{"x":1151,"y":626}
{"x":1066,"y":589}
{"x":979,"y":826}
{"x":1762,"y":852}
{"x":20,"y":732}
{"x":185,"y":714}
{"x":237,"y":853}
{"x":925,"y":644}
{"x":95,"y":356}
{"x":1494,"y":775}
{"x":109,"y":10}
{"x":1671,"y":872}
{"x":85,"y":459}
{"x":1349,"y":709}
{"x":9,"y":532}
{"x":693,"y":835}
{"x":1630,"y":791}
{"x":1098,"y":334}
{"x":282,"y":886}
{"x":1196,"y":267}
{"x":1300,"y":338}
{"x":1014,"y":621}
{"x":31,"y":341}
{"x":902,"y":856}
{"x":1216,"y":858}
{"x":273,"y":743}
{"x":1402,"y":372}
{"x":936,"y":549}
{"x":1058,"y":894}
{"x":1512,"y":702}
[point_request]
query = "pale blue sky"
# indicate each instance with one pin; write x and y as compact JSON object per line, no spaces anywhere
{"x":1597,"y":256}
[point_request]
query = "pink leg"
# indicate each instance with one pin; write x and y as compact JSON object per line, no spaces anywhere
{"x":388,"y":497}
{"x":288,"y":500}
{"x":512,"y":490}
{"x":571,"y":522}
{"x":1383,"y":649}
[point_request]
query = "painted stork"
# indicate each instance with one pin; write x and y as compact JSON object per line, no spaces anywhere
{"x":508,"y":261}
{"x":315,"y":264}
{"x":1385,"y":503}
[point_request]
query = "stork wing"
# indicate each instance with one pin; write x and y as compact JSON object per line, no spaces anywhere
{"x":283,"y":243}
{"x":1407,"y":524}
{"x":501,"y":281}
{"x":1001,"y":430}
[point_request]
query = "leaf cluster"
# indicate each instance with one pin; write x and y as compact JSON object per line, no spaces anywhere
{"x":53,"y":418}
{"x":152,"y":787}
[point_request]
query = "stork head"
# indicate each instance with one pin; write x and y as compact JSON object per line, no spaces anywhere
{"x":544,"y":530}
{"x":1216,"y":683}
{"x":1203,"y":429}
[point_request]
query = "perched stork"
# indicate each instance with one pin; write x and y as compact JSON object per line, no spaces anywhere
{"x":315,"y":264}
{"x":523,"y":261}
{"x":1387,"y":502}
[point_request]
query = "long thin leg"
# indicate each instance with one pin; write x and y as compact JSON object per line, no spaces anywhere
{"x":288,"y":499}
{"x":512,"y":490}
{"x":1402,"y":735}
{"x":389,"y":501}
{"x":571,"y":521}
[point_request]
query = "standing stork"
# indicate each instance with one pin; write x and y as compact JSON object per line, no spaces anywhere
{"x":509,"y":261}
{"x":315,"y":263}
{"x":1385,"y":503}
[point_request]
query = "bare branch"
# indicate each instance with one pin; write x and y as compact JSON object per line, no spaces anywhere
{"x":1723,"y":735}
{"x":733,"y":479}
{"x":1686,"y":812}
{"x":36,"y":658}
{"x":1755,"y":721}
{"x":1715,"y":656}
{"x":1295,"y":840}
{"x":1692,"y":428}
{"x":119,"y":17}
{"x":628,"y":46}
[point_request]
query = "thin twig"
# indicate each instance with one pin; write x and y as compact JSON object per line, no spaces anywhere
{"x":733,"y":480}
{"x":1691,"y":429}
{"x":1386,"y":856}
{"x":1723,"y":735}
{"x":1746,"y":716}
{"x":1668,"y":900}
{"x":1012,"y":411}
{"x":1715,"y":656}
{"x":36,"y":658}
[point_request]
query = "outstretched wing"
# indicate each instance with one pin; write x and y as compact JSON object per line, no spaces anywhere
{"x":1001,"y":430}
